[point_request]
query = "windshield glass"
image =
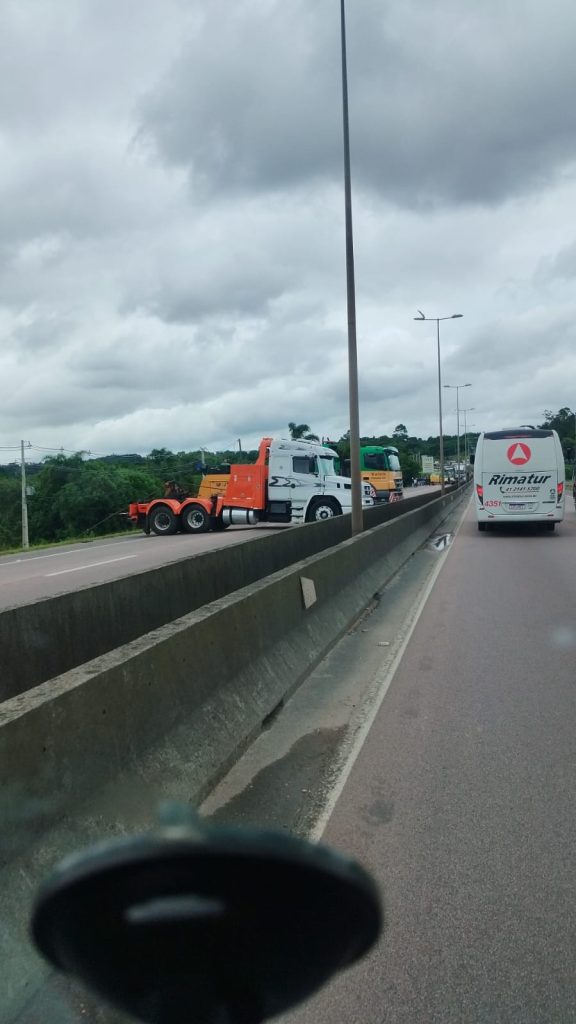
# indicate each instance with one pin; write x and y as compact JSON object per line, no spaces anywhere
{"x":327,"y":465}
{"x":180,"y":548}
{"x":375,"y":460}
{"x":381,"y":461}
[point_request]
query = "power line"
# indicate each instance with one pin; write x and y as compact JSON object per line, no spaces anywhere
{"x":61,"y":451}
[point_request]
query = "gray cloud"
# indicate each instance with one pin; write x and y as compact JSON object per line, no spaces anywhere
{"x":562,"y":266}
{"x":448,"y":103}
{"x":171,"y":225}
{"x":519,"y":345}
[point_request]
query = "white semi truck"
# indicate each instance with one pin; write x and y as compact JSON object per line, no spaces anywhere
{"x":290,"y":482}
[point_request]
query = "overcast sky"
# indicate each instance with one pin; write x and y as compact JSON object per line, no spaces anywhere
{"x":172,"y":263}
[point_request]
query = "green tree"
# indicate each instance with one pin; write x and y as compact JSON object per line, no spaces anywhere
{"x":411,"y":468}
{"x":44,"y":519}
{"x":301,"y":430}
{"x":343,"y":446}
{"x":73,"y":497}
{"x":11,"y":505}
{"x":400,"y":433}
{"x":564,"y":423}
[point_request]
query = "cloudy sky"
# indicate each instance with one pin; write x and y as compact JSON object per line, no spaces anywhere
{"x":172,"y":268}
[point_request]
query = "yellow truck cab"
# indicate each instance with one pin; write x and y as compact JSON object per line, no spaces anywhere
{"x":379,"y":467}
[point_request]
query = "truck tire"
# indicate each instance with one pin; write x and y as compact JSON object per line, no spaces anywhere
{"x":162,"y":521}
{"x":195,"y":519}
{"x":481,"y":526}
{"x":321,"y":509}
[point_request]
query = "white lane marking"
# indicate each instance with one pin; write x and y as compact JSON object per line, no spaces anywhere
{"x":316,"y":834}
{"x":38,"y":558}
{"x":91,"y":565}
{"x":59,"y":554}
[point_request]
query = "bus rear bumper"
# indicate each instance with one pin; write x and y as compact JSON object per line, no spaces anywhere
{"x":484,"y":516}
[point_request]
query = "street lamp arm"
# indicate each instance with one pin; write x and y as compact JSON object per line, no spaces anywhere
{"x":436,"y":319}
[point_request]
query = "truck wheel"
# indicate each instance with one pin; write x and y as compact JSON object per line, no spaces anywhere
{"x":481,"y":526}
{"x":162,"y":521}
{"x":322,"y":508}
{"x":195,"y":519}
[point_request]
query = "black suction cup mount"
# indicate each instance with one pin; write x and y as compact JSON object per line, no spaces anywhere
{"x":198,"y":924}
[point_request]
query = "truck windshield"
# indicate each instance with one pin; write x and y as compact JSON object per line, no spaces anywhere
{"x":375,"y":460}
{"x":385,"y":460}
{"x":327,"y":467}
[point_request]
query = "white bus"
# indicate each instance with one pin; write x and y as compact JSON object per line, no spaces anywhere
{"x":519,"y":477}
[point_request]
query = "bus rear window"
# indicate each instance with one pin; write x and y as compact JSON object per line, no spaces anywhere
{"x":505,"y":435}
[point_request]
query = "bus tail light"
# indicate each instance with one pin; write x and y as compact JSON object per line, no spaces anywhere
{"x":480,"y":493}
{"x":559,"y":492}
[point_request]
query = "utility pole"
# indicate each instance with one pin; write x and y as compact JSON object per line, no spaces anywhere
{"x":25,"y":540}
{"x":466,"y":445}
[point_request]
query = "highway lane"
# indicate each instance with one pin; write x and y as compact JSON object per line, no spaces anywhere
{"x":33,"y":575}
{"x":460,"y":797}
{"x":462,"y":800}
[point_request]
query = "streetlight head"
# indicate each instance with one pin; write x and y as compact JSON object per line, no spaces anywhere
{"x":421,"y":317}
{"x":457,"y":316}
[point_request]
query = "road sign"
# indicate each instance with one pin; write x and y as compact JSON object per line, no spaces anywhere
{"x":427,"y":464}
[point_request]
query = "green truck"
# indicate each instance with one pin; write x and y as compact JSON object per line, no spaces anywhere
{"x":380,"y":466}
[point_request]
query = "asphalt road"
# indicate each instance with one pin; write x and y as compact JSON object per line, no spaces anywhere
{"x":37,"y":574}
{"x":33,"y":575}
{"x":458,"y":795}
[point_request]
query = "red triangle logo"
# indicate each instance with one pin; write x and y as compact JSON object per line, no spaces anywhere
{"x":519,"y":454}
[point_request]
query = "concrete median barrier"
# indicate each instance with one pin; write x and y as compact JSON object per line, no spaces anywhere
{"x":186,"y":696}
{"x":42,"y":640}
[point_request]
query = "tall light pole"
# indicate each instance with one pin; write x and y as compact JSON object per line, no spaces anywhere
{"x":469,"y":445}
{"x":437,"y":319}
{"x":472,"y":407}
{"x":25,"y":540}
{"x":457,"y":388}
{"x":356,"y":495}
